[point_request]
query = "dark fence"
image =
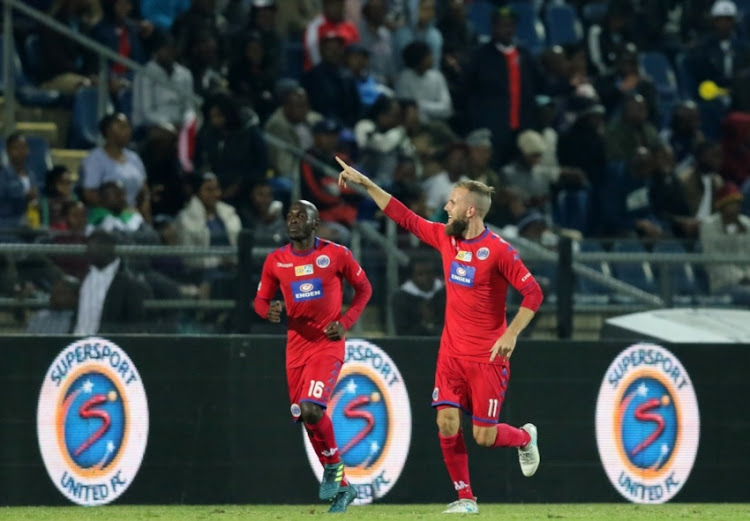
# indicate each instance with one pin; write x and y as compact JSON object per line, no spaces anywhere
{"x":219,"y":428}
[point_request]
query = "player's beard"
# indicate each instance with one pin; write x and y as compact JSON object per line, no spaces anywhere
{"x":456,"y":227}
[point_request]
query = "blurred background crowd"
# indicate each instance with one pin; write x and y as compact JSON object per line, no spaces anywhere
{"x":620,"y":119}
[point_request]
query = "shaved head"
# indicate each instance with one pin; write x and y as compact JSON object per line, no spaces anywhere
{"x":302,"y":220}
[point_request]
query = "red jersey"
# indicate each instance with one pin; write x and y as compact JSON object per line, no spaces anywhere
{"x":311,"y":283}
{"x":318,"y":29}
{"x":477,"y":274}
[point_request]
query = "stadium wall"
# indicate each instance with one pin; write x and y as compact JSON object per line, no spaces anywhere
{"x":219,"y":428}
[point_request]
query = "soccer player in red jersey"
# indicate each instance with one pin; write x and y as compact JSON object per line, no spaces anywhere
{"x":473,"y":366}
{"x":309,"y":272}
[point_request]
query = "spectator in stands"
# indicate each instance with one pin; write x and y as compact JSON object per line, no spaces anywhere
{"x":419,"y":26}
{"x":722,"y":53}
{"x":207,"y":221}
{"x":631,"y":130}
{"x":259,"y":212}
{"x":113,"y":216}
{"x":58,"y":318}
{"x":113,"y":161}
{"x":111,"y":298}
{"x":64,"y":64}
{"x":331,"y":20}
{"x":74,"y":213}
{"x":357,"y":60}
{"x":58,"y":190}
{"x":293,"y":17}
{"x":153,"y":104}
{"x":382,"y":138}
{"x":727,"y":232}
{"x":524,"y":174}
{"x":337,"y":205}
{"x":18,"y":186}
{"x":262,"y":22}
{"x":624,"y":81}
{"x":421,"y":82}
{"x":406,"y":187}
{"x":684,"y":131}
{"x":376,"y":37}
{"x":202,"y":18}
{"x":627,"y":210}
{"x":162,"y":13}
{"x":332,"y":93}
{"x":583,"y":145}
{"x":292,"y":123}
{"x":668,"y":198}
{"x":251,"y":79}
{"x":418,"y":306}
{"x":736,"y":149}
{"x":458,"y":32}
{"x":230,"y":145}
{"x":502,"y":81}
{"x":479,"y":143}
{"x":701,"y":181}
{"x":438,"y":187}
{"x":205,"y":64}
{"x":605,"y":40}
{"x":123,"y":35}
{"x":166,"y":178}
{"x":428,"y":138}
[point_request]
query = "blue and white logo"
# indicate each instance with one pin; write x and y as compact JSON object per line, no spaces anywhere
{"x":462,"y":275}
{"x":371,"y":415}
{"x":647,"y":424}
{"x":323,"y":261}
{"x":483,"y":253}
{"x":309,"y":289}
{"x":92,"y":422}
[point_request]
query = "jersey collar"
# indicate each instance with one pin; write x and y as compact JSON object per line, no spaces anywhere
{"x":306,"y":252}
{"x":478,"y":237}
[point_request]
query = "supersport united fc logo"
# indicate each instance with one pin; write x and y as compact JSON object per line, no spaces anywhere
{"x":92,"y":421}
{"x":647,"y":424}
{"x":371,"y":415}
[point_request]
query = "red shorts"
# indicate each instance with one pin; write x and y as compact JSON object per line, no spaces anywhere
{"x":476,"y":387}
{"x":312,"y":382}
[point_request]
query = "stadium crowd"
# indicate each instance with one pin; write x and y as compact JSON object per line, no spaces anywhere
{"x":619,"y":119}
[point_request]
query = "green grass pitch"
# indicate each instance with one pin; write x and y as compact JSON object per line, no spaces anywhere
{"x":608,"y":512}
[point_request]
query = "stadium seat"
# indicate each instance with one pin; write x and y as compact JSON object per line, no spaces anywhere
{"x":84,"y":125}
{"x":572,"y":210}
{"x":480,"y":14}
{"x":682,"y":277}
{"x":638,"y":274}
{"x":594,"y":12}
{"x":657,"y":68}
{"x":529,"y":30}
{"x":26,"y":93}
{"x":31,"y":54}
{"x":685,"y":80}
{"x":40,"y":158}
{"x":563,"y":25}
{"x":294,"y":58}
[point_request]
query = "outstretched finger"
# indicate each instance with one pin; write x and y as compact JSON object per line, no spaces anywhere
{"x":342,"y":163}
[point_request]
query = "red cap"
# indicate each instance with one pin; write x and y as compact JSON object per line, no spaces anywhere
{"x":728,"y":193}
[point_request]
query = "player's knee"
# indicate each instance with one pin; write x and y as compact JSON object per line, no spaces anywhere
{"x":448,"y":424}
{"x":311,"y":412}
{"x":485,"y":436}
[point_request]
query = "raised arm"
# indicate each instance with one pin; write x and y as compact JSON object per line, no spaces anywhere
{"x":427,"y":231}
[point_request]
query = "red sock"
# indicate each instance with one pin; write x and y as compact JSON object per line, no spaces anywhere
{"x":324,"y":440}
{"x":319,"y":446}
{"x":457,"y":460}
{"x":508,"y":436}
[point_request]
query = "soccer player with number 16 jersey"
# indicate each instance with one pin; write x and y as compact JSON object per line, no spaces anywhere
{"x":310,"y":272}
{"x":473,"y":366}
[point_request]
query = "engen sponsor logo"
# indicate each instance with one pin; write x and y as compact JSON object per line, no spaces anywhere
{"x":462,"y":275}
{"x":647,"y":424}
{"x":92,"y":421}
{"x":370,"y":411}
{"x":310,"y":289}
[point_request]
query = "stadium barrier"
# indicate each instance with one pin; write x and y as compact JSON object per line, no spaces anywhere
{"x":205,"y":420}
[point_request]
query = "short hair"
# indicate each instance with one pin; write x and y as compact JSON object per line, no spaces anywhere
{"x":414,"y":54}
{"x":481,"y":193}
{"x":15,"y":136}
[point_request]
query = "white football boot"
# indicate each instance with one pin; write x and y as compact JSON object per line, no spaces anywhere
{"x":528,"y":456}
